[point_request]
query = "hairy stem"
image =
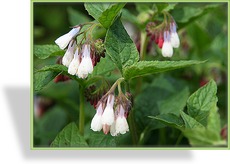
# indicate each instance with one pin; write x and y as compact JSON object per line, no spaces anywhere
{"x":143,"y":49}
{"x":132,"y":127}
{"x":81,"y":110}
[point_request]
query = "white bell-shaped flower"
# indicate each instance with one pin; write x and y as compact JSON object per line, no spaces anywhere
{"x":167,"y":50}
{"x":73,"y":67}
{"x":69,"y":54}
{"x":108,"y":115}
{"x":174,"y":38}
{"x":64,"y":40}
{"x":121,"y":123}
{"x":113,"y":129}
{"x":86,"y":65}
{"x":96,"y":123}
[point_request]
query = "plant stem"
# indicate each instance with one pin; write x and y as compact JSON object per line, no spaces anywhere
{"x":143,"y":49}
{"x":133,"y":129}
{"x":144,"y":43}
{"x":179,"y":139}
{"x":81,"y":111}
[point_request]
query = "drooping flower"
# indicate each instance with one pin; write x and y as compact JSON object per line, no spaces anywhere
{"x":64,"y":40}
{"x":86,"y":65}
{"x":108,"y":115}
{"x":73,"y":67}
{"x":69,"y":54}
{"x":167,"y":49}
{"x":121,"y":124}
{"x":174,"y":39}
{"x":96,"y":123}
{"x":113,"y":129}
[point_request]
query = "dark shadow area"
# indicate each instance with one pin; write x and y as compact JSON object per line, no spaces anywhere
{"x":19,"y":103}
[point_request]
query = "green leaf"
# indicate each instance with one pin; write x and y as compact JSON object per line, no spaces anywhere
{"x":175,"y":103}
{"x":60,"y":69}
{"x":95,"y":9}
{"x":190,"y":123}
{"x":97,"y":139}
{"x":108,"y":16}
{"x":200,"y":102}
{"x":104,"y":67}
{"x":169,"y":119}
{"x":213,"y":122}
{"x":69,"y":137}
{"x":105,"y":16}
{"x":41,"y":79}
{"x":203,"y":137}
{"x":45,"y":51}
{"x":76,"y":17}
{"x":49,"y":125}
{"x":120,"y":47}
{"x":144,"y":68}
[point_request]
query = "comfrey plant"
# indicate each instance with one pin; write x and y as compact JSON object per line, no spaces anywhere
{"x":102,"y":60}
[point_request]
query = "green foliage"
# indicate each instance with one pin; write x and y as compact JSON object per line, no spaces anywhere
{"x":164,"y":111}
{"x":143,"y":68}
{"x":194,"y":128}
{"x":45,"y":51}
{"x":120,"y":47}
{"x":69,"y":137}
{"x":200,"y":103}
{"x":41,"y":79}
{"x":105,"y":16}
{"x":101,"y":140}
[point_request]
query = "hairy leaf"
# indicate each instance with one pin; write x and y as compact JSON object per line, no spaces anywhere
{"x":41,"y":79}
{"x":144,"y":68}
{"x":200,"y":102}
{"x":105,"y":14}
{"x":69,"y":137}
{"x":120,"y":47}
{"x":169,"y":119}
{"x":101,"y":140}
{"x":108,"y":16}
{"x":45,"y":51}
{"x":190,"y":123}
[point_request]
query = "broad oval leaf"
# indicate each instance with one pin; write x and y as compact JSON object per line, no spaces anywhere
{"x":69,"y":137}
{"x":120,"y":47}
{"x":202,"y":101}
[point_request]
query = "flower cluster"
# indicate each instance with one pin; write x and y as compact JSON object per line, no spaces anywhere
{"x":80,"y":59}
{"x":165,"y":36}
{"x":111,"y":115}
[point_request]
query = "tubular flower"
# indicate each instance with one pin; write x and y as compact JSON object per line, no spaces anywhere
{"x":167,"y":50}
{"x":121,"y":125}
{"x":64,"y":40}
{"x":73,"y":67}
{"x":108,"y":115}
{"x":86,"y":65}
{"x":96,"y":123}
{"x":174,"y":39}
{"x":68,"y":56}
